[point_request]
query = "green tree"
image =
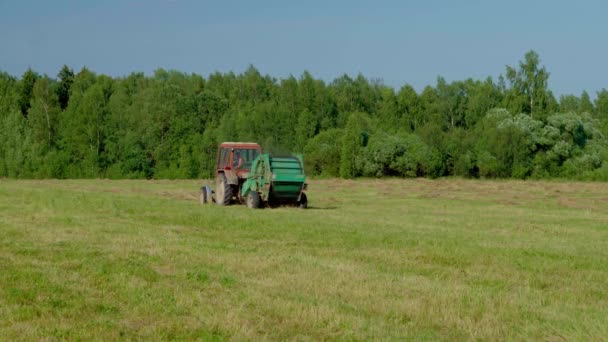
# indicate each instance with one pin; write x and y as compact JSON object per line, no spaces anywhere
{"x":601,"y":105}
{"x":26,"y":90}
{"x":387,"y":113}
{"x":289,"y":94}
{"x":353,"y":96}
{"x":8,"y":107}
{"x":601,"y":109}
{"x":123,"y":150}
{"x":409,"y":112}
{"x":529,"y":86}
{"x":355,"y":138}
{"x":306,"y":128}
{"x":43,"y":114}
{"x":66,"y":78}
{"x":16,"y":146}
{"x":569,"y":103}
{"x":586,"y":106}
{"x":315,"y":97}
{"x":452,"y":102}
{"x":482,"y":96}
{"x":253,"y":86}
{"x":81,"y":124}
{"x":8,"y":94}
{"x":429,"y":107}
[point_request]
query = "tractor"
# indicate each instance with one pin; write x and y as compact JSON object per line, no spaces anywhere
{"x":244,"y":174}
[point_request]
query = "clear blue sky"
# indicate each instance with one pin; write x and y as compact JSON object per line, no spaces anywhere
{"x":396,"y":41}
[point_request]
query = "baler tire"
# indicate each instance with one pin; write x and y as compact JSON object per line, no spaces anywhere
{"x":223,"y":191}
{"x":253,"y":200}
{"x":303,"y":201}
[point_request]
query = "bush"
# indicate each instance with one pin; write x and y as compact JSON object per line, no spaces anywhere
{"x":403,"y":155}
{"x":322,"y":153}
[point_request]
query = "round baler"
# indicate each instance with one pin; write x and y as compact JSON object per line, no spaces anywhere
{"x":275,"y":181}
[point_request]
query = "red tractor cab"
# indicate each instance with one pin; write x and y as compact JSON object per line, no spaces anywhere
{"x":232,"y":166}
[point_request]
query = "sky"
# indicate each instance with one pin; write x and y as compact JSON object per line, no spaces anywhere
{"x":397,"y":42}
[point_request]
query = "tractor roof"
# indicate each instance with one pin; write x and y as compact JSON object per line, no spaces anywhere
{"x":239,"y":144}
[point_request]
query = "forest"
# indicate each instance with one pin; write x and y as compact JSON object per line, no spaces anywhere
{"x":168,"y":125}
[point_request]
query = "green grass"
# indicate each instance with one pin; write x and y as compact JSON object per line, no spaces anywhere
{"x":372,"y":259}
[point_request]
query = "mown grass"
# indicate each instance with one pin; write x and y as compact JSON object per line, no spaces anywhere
{"x":372,"y":259}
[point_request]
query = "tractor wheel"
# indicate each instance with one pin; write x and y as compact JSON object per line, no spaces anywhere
{"x":253,"y":200}
{"x":206,"y":194}
{"x":303,"y":201}
{"x":223,"y":191}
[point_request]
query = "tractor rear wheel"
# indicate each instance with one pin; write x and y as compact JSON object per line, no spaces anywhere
{"x":223,"y":190}
{"x":253,"y":200}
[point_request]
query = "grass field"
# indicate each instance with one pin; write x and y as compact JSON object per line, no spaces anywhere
{"x":372,"y":259}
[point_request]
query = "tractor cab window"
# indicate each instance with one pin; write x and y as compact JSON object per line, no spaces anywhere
{"x":224,"y":155}
{"x":245,"y":155}
{"x":248,"y":155}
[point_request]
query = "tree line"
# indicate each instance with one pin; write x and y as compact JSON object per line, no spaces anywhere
{"x":168,"y":125}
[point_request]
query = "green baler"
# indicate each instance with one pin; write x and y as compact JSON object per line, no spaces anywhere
{"x":274,"y":181}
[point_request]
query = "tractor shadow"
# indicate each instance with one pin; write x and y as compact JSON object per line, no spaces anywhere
{"x":322,"y":208}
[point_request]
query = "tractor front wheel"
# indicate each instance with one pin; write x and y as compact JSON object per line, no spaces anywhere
{"x":206,"y":194}
{"x":223,"y":190}
{"x":253,"y":200}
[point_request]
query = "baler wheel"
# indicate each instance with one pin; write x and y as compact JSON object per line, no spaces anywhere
{"x":303,"y":201}
{"x":253,"y":200}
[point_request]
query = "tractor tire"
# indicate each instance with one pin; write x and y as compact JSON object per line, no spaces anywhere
{"x":206,"y":194}
{"x":253,"y":200}
{"x":223,"y":191}
{"x":303,"y":204}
